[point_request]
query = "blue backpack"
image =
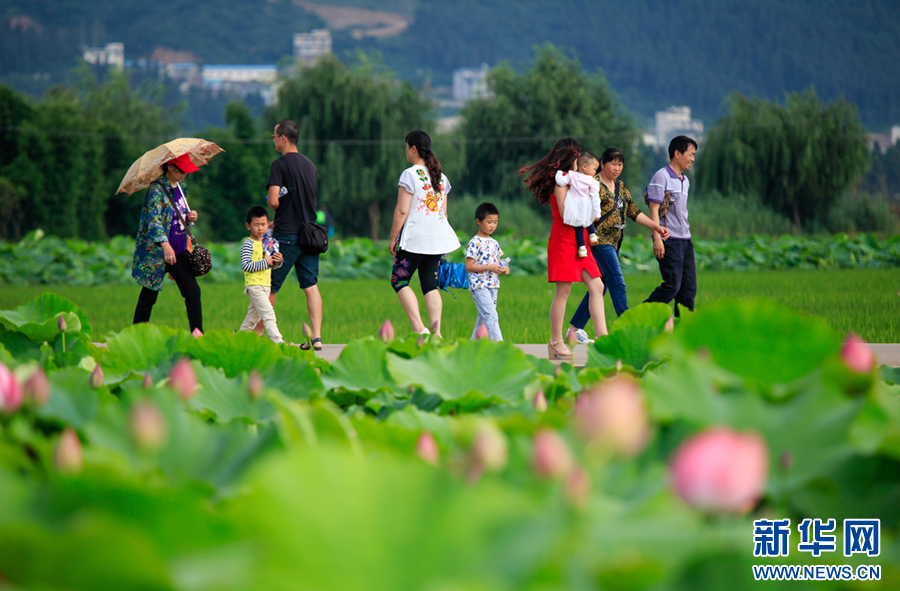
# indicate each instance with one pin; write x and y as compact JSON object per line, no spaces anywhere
{"x":452,"y":275}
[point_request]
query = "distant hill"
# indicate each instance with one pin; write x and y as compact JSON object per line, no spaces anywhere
{"x":654,"y":54}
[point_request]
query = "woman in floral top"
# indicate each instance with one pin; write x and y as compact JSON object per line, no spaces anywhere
{"x":161,"y":246}
{"x":420,"y":233}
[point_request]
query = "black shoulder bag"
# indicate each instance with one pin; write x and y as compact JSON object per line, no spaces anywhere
{"x":311,"y":237}
{"x":201,"y":262}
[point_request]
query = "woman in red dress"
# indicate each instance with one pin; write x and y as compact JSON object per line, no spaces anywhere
{"x":563,"y":264}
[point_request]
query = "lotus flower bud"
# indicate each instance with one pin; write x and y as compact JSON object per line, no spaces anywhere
{"x":148,"y":381}
{"x":481,"y":332}
{"x":67,"y":456}
{"x":578,"y":487}
{"x":183,"y":379}
{"x":96,"y":379}
{"x":427,"y":448}
{"x":254,"y":385}
{"x":307,"y":331}
{"x":618,"y":365}
{"x":197,"y":333}
{"x":669,"y":325}
{"x":489,"y":448}
{"x":540,"y":402}
{"x":552,"y":457}
{"x":721,"y":470}
{"x":37,"y":388}
{"x":10,"y":391}
{"x":386,"y":332}
{"x":420,"y":341}
{"x":61,"y":324}
{"x":148,"y":426}
{"x":612,"y":414}
{"x":857,"y":355}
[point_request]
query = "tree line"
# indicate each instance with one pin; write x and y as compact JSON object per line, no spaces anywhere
{"x":62,"y":158}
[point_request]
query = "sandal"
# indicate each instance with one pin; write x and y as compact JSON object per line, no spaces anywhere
{"x":554,"y":353}
{"x":312,"y":345}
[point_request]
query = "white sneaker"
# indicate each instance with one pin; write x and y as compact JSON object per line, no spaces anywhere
{"x":582,"y":252}
{"x":579,"y":336}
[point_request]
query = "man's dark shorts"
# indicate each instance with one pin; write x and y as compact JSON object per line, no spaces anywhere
{"x":307,"y":265}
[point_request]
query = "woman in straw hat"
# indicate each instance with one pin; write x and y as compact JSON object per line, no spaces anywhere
{"x":161,"y":246}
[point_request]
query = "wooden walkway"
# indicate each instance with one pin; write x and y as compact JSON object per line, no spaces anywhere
{"x":888,"y":354}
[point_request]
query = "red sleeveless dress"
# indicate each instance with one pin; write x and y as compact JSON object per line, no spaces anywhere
{"x":563,"y":263}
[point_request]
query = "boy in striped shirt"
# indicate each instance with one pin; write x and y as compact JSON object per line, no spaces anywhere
{"x":259,"y":255}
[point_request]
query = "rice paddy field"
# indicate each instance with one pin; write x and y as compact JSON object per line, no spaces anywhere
{"x":865,"y":302}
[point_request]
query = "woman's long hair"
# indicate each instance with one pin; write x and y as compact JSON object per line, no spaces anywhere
{"x":422,"y":142}
{"x":541,"y":177}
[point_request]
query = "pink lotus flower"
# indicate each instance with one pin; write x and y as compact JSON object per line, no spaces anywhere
{"x":67,"y":455}
{"x":540,"y":402}
{"x":612,"y":414}
{"x":197,"y":333}
{"x":307,"y":331}
{"x":427,"y":449}
{"x":489,"y":448}
{"x":183,"y":379}
{"x":386,"y":332}
{"x":11,"y":395}
{"x":148,"y":426}
{"x":61,"y":324}
{"x":37,"y":388}
{"x":857,"y":355}
{"x":552,"y":457}
{"x":96,"y":378}
{"x":670,"y":325}
{"x":148,"y":381}
{"x":721,"y":470}
{"x":254,"y":385}
{"x":578,"y":487}
{"x":481,"y":332}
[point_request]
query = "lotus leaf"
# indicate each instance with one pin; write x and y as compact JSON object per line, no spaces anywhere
{"x":471,"y":370}
{"x":38,"y":319}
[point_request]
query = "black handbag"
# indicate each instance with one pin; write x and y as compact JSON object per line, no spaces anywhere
{"x":311,"y":237}
{"x":201,"y":261}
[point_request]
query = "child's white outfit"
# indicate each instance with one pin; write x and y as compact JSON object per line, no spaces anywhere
{"x":258,"y":285}
{"x":582,"y":204}
{"x":485,"y":286}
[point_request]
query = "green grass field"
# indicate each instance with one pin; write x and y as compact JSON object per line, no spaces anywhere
{"x":865,"y":302}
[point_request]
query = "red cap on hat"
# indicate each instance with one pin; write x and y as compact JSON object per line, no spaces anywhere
{"x":184,"y":163}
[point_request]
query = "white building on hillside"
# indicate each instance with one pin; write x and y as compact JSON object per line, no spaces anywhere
{"x":309,"y":46}
{"x":676,"y":121}
{"x":469,"y":83}
{"x":113,"y":55}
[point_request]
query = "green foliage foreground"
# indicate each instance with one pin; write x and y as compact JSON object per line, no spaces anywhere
{"x":48,"y":260}
{"x":229,"y":462}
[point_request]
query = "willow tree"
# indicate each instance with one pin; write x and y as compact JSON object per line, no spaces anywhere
{"x":525,"y":114}
{"x":798,"y":158}
{"x":353,"y":122}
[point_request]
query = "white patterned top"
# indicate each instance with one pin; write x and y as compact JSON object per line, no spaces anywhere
{"x":484,"y":251}
{"x":426,"y":230}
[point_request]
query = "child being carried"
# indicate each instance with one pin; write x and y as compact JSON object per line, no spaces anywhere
{"x":582,"y":204}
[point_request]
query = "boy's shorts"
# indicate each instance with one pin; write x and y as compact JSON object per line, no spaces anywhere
{"x":307,"y":265}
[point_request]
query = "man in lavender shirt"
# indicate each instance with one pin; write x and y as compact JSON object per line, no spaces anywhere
{"x":675,"y":255}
